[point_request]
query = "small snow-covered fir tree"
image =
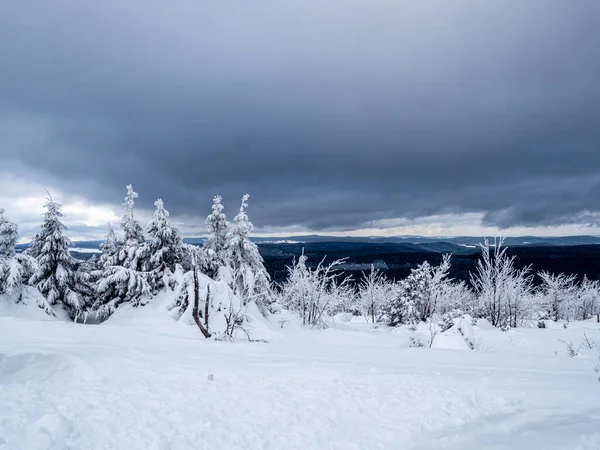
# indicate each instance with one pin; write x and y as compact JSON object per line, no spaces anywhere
{"x":57,"y":277}
{"x":419,"y":294}
{"x":403,"y":309}
{"x":12,"y":268}
{"x":122,"y":279}
{"x":250,"y":280}
{"x":133,"y":232}
{"x":119,"y":285}
{"x":295,"y":290}
{"x":130,"y":250}
{"x":164,"y":249}
{"x":418,"y":304}
{"x":9,"y":235}
{"x":16,"y":268}
{"x":110,"y":248}
{"x":213,"y":248}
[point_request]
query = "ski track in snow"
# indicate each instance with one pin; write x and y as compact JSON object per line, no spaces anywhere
{"x":70,"y":386}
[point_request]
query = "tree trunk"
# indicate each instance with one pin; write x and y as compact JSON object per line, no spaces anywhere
{"x":206,"y":303}
{"x":195,"y":310}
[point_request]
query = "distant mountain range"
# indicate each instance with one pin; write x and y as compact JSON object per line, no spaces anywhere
{"x":396,"y":256}
{"x":457,"y":240}
{"x":454,"y":244}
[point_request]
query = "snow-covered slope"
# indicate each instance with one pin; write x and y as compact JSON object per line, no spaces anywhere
{"x":25,"y":303}
{"x":352,"y":386}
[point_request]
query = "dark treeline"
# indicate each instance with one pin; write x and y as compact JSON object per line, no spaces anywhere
{"x":398,"y":261}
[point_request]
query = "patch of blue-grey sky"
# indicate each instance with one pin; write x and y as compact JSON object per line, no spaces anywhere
{"x":354,"y":117}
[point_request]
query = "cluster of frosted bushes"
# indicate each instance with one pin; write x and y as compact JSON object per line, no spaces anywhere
{"x":498,"y":292}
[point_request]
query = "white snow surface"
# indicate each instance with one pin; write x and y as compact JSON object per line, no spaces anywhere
{"x":85,"y":250}
{"x":159,"y":385}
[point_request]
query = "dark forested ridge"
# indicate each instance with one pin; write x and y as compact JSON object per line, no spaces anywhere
{"x":397,"y":260}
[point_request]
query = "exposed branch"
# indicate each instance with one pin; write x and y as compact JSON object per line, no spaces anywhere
{"x":196,"y":302}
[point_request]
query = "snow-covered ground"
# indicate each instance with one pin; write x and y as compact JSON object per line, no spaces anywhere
{"x":157,"y":385}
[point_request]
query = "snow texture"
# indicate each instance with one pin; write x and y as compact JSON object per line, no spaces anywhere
{"x":156,"y":383}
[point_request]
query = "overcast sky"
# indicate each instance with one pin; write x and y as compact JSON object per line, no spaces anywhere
{"x":354,"y":117}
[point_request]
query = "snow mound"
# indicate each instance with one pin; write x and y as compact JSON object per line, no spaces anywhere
{"x":50,"y":432}
{"x":42,"y":367}
{"x":343,"y":317}
{"x":166,"y":310}
{"x":24,"y":304}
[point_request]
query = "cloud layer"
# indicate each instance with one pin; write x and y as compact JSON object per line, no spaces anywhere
{"x":336,"y":115}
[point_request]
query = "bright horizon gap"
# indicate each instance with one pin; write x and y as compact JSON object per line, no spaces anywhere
{"x":87,"y":220}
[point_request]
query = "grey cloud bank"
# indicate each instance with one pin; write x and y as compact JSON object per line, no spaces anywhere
{"x":331,"y":114}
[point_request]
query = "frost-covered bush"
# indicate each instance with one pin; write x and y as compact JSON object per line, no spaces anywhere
{"x":559,"y":295}
{"x":315,"y":293}
{"x":456,"y":298}
{"x":503,"y":292}
{"x":374,"y":292}
{"x":414,"y":342}
{"x":588,"y":300}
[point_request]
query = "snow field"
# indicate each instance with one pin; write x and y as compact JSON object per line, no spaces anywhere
{"x":147,"y":386}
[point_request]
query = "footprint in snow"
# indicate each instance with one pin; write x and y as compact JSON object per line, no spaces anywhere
{"x":161,"y":443}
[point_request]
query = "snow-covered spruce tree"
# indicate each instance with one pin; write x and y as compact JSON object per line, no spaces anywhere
{"x":503,"y":292}
{"x":16,"y":268}
{"x":403,"y":309}
{"x":119,"y":285}
{"x":91,"y":266}
{"x":250,"y":280}
{"x":164,"y":248}
{"x":213,"y":248}
{"x":9,"y":235}
{"x":110,"y":249}
{"x":122,"y":279}
{"x":294,"y":293}
{"x":130,"y":250}
{"x":57,"y":277}
{"x":12,"y":271}
{"x":419,"y":294}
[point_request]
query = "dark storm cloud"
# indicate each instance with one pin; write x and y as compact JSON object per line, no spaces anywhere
{"x":331,"y":114}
